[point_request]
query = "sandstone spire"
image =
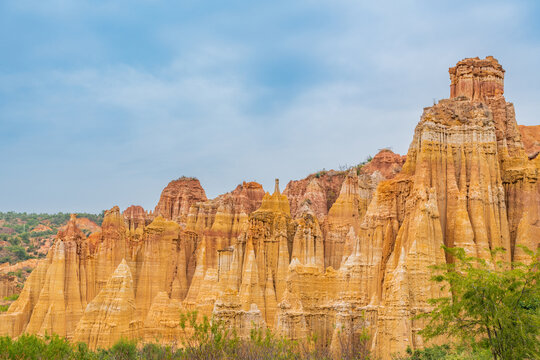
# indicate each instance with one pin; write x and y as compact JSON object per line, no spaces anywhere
{"x":477,"y":78}
{"x":110,"y":316}
{"x":276,"y":187}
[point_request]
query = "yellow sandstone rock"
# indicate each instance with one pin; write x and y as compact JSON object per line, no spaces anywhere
{"x":112,"y":314}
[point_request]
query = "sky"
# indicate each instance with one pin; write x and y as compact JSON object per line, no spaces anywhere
{"x":102,"y":103}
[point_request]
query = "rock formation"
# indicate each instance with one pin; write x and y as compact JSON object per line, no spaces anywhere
{"x":84,"y":224}
{"x":386,"y":162}
{"x":8,"y":285}
{"x":337,"y":250}
{"x":135,"y":216}
{"x":531,"y":139}
{"x":477,"y":79}
{"x":110,"y":315}
{"x":319,"y":191}
{"x":218,"y":222}
{"x":177,"y":198}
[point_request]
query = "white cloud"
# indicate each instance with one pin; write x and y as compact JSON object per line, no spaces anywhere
{"x":122,"y":130}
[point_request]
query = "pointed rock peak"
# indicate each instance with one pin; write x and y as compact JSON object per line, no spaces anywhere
{"x":275,"y":202}
{"x":122,"y":268}
{"x":123,"y":275}
{"x":161,"y":297}
{"x":120,"y":278}
{"x":113,"y":217}
{"x":71,"y":231}
{"x":114,"y":211}
{"x":109,"y":316}
{"x":350,"y":185}
{"x":476,"y":78}
{"x":314,"y":185}
{"x":276,"y":188}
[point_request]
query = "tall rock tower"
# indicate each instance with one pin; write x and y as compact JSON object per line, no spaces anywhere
{"x":477,"y":78}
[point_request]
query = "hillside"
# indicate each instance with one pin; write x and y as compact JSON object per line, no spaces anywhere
{"x":26,"y":236}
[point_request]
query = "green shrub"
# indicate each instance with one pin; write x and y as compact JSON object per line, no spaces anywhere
{"x":82,"y":352}
{"x":157,"y":352}
{"x":57,"y":348}
{"x":27,"y":347}
{"x":124,"y":350}
{"x":444,"y":352}
{"x":11,"y":297}
{"x":490,"y":305}
{"x":18,"y":252}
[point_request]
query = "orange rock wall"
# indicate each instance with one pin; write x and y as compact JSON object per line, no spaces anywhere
{"x":530,"y":135}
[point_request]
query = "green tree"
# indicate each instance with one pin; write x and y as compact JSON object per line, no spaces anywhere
{"x":18,"y":252}
{"x":492,"y":304}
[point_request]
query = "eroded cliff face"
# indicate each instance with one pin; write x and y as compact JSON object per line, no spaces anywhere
{"x":135,"y":216}
{"x":177,"y":198}
{"x":318,"y":191}
{"x":218,"y":222}
{"x":337,"y":250}
{"x":110,"y":316}
{"x":531,"y":139}
{"x":386,"y":162}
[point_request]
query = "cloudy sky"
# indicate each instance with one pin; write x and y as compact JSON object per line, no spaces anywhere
{"x":102,"y":103}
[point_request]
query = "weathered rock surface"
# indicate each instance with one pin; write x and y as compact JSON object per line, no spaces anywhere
{"x":9,"y":285}
{"x":337,"y":250}
{"x":135,"y":216}
{"x":318,"y":191}
{"x":162,"y":322}
{"x":386,"y":162}
{"x":477,"y":79}
{"x":177,"y":198}
{"x":84,"y":224}
{"x":254,"y":282}
{"x":218,"y":222}
{"x":530,"y":135}
{"x":109,"y":316}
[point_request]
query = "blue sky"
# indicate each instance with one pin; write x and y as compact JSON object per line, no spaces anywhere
{"x":102,"y":103}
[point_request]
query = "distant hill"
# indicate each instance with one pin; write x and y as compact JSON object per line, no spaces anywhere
{"x":26,"y":236}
